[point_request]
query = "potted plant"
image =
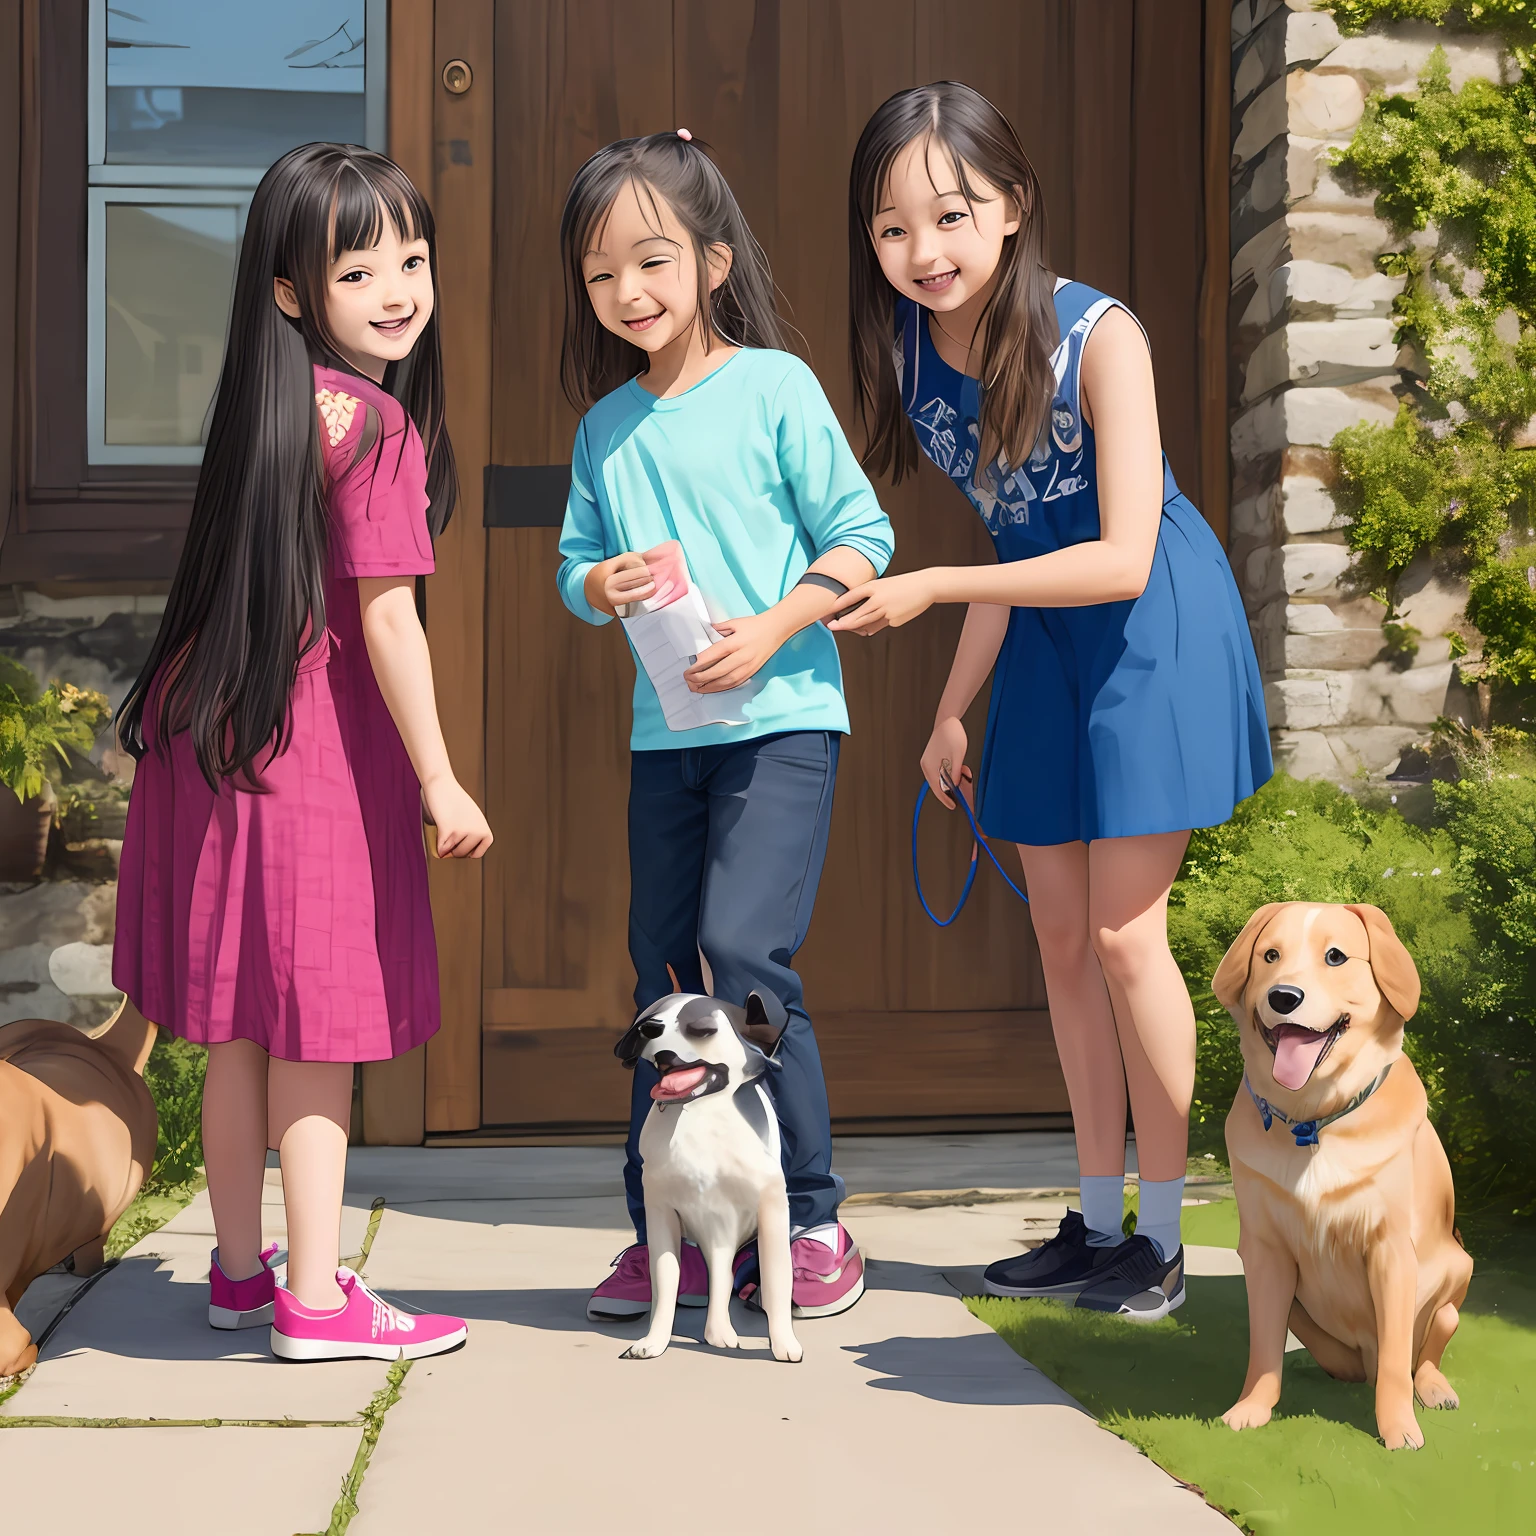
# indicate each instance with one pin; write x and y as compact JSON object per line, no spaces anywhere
{"x":38,"y":728}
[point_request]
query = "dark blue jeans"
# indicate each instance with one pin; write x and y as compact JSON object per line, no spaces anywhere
{"x":726,"y":846}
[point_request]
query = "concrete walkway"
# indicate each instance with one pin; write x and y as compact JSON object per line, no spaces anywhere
{"x":906,"y":1415}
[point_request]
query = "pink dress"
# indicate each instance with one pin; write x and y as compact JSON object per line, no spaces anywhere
{"x":299,"y":918}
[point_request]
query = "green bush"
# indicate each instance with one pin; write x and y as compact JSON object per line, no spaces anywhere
{"x":1462,"y":897}
{"x":1490,"y":1050}
{"x":174,"y":1073}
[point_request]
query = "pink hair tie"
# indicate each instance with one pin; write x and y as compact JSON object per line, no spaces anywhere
{"x":683,"y":133}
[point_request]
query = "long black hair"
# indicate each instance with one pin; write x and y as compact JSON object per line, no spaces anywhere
{"x":680,"y":172}
{"x":1020,"y":316}
{"x":249,"y":595}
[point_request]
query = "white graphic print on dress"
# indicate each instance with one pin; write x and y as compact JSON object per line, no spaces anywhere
{"x":938,"y":419}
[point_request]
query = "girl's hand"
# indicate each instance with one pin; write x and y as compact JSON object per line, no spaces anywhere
{"x":462,"y":831}
{"x":943,"y":760}
{"x":892,"y":600}
{"x":612,"y":583}
{"x":746,"y":649}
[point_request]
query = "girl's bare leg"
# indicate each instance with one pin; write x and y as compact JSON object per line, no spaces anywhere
{"x":1128,"y":883}
{"x":235,"y":1151}
{"x":309,"y":1107}
{"x":1081,"y":1016}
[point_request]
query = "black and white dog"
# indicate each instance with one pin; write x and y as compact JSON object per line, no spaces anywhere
{"x":712,"y":1159}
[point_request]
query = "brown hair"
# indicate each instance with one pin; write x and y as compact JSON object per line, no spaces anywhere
{"x":1020,"y":317}
{"x":679,"y":171}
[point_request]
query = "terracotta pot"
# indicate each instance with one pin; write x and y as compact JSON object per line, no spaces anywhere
{"x":24,"y":827}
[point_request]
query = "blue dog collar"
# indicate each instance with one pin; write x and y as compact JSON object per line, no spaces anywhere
{"x":1305,"y":1131}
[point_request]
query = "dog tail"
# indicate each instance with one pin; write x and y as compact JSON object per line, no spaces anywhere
{"x":128,"y":1036}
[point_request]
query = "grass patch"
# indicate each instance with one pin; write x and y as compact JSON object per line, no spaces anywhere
{"x":150,"y":1211}
{"x":1317,"y":1466}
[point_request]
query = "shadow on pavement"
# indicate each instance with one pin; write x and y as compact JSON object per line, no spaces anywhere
{"x":976,"y":1368}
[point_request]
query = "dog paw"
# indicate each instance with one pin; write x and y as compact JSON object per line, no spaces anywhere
{"x":644,"y":1349}
{"x":1247,"y":1413}
{"x":1401,"y":1433}
{"x":724,"y":1338}
{"x":1433,"y":1390}
{"x":788,"y":1350}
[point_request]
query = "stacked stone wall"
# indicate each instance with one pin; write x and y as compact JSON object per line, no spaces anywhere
{"x":1313,"y":353}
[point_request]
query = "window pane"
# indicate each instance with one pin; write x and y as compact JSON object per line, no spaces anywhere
{"x":194,"y":83}
{"x":170,"y":272}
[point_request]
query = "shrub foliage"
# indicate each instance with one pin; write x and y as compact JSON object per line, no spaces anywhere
{"x":1455,"y":175}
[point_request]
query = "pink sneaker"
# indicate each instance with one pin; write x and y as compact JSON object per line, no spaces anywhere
{"x":365,"y":1328}
{"x":241,"y":1303}
{"x":825,"y":1283}
{"x":626,"y":1292}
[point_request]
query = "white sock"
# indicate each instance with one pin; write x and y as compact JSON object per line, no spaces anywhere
{"x":1104,"y":1208}
{"x":1157,"y":1214}
{"x":826,"y":1235}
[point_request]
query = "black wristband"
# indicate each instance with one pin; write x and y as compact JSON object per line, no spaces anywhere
{"x":816,"y":579}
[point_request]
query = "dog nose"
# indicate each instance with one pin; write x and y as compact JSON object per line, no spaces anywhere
{"x":652,"y":1029}
{"x":664,"y":1060}
{"x":1285,"y":999}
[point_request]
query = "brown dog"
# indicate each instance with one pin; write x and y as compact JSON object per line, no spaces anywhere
{"x":77,"y":1136}
{"x":1343,"y":1190}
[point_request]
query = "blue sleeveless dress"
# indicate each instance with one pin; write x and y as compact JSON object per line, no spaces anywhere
{"x":1116,"y":719}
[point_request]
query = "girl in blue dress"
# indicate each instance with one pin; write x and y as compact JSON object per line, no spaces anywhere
{"x":1126,"y":705}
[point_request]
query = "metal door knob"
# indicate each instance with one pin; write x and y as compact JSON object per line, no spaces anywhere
{"x":457,"y":76}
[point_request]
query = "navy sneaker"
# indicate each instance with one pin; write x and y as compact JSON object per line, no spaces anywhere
{"x":1060,"y":1267}
{"x":1140,"y":1285}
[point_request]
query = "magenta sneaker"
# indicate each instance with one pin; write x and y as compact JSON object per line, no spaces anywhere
{"x":241,"y":1303}
{"x":365,"y":1328}
{"x":825,"y":1283}
{"x":626,"y":1292}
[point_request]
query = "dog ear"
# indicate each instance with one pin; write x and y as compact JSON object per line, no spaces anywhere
{"x":631,"y":1043}
{"x":766,"y":1022}
{"x":1232,"y":974}
{"x":1395,"y":972}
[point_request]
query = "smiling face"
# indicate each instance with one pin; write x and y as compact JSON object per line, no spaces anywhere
{"x":1319,"y":994}
{"x":692,"y":1042}
{"x":377,"y":301}
{"x":642,"y":274}
{"x":700,"y":1045}
{"x":932,"y":244}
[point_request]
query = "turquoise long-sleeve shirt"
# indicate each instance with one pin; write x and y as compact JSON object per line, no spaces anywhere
{"x":750,"y":472}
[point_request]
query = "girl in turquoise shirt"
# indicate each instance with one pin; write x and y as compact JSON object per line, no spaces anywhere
{"x":703,"y":429}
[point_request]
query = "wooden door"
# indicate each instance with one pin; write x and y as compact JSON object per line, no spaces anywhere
{"x":918,"y":1027}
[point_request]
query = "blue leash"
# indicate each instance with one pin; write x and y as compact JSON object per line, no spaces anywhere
{"x":978,"y":843}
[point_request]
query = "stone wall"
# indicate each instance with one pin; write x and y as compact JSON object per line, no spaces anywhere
{"x":1314,"y":353}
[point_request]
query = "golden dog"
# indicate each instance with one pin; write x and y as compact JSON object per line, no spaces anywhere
{"x":77,"y":1136}
{"x":1344,"y":1192}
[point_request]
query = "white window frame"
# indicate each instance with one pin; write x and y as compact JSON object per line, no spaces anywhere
{"x":220,"y":186}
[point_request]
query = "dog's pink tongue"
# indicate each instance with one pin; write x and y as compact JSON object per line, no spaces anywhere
{"x":1296,"y":1053}
{"x":677,"y":1084}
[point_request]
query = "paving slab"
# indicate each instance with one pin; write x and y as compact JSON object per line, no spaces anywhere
{"x":993,"y":1160}
{"x":138,"y":1345}
{"x":906,"y":1414}
{"x":868,"y":1165}
{"x":173,"y":1482}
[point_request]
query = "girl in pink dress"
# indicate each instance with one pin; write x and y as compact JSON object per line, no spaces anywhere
{"x":272,"y":901}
